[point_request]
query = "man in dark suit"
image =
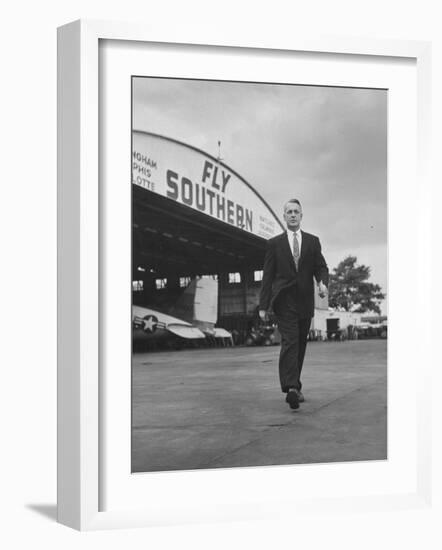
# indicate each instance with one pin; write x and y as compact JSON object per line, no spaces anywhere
{"x":292,"y":260}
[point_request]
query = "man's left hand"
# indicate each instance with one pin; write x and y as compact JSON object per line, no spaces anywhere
{"x":322,"y":290}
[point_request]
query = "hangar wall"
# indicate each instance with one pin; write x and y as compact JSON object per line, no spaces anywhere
{"x":191,"y":177}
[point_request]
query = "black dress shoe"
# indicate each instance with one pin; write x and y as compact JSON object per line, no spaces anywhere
{"x":292,"y":399}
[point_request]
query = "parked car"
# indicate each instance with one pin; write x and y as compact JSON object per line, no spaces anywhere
{"x":372,"y":330}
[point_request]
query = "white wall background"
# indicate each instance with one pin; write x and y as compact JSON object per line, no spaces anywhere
{"x":28,"y":266}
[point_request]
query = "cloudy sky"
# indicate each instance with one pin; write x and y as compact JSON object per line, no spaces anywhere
{"x":325,"y":146}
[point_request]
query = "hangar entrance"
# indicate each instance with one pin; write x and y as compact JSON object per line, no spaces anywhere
{"x":177,"y":235}
{"x":172,"y":244}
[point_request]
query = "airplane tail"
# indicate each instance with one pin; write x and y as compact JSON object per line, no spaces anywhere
{"x":199,"y":302}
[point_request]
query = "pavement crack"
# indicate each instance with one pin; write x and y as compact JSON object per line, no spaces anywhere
{"x":243,"y":446}
{"x":345,"y":396}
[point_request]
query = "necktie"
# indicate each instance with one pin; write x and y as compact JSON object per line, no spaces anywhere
{"x":295,"y":250}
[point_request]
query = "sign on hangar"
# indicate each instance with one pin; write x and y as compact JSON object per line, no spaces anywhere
{"x":191,"y":177}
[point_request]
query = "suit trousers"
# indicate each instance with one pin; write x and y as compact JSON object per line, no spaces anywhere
{"x":294,"y":332}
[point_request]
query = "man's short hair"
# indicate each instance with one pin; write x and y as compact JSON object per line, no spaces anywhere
{"x":290,"y":201}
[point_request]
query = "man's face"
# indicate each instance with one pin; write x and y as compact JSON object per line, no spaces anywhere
{"x":293,"y":215}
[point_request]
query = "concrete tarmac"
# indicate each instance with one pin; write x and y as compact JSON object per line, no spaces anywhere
{"x":223,"y":407}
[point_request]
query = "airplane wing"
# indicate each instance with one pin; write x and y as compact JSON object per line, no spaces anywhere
{"x":153,"y":323}
{"x":185,"y":331}
{"x":221,"y":333}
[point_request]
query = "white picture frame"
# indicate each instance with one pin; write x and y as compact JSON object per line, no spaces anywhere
{"x":79,"y":276}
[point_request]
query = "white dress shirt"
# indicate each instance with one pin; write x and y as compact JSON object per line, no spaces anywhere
{"x":290,"y":235}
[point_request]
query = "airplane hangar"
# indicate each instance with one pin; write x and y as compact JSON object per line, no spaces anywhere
{"x":193,"y":215}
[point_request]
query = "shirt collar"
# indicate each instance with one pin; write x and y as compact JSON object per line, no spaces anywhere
{"x":290,"y":233}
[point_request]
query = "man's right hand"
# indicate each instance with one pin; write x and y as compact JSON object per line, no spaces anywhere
{"x":263,"y":315}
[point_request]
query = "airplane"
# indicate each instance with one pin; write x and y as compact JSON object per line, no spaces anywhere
{"x":192,"y":317}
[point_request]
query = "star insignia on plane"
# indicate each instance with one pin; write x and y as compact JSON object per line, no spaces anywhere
{"x":150,"y":323}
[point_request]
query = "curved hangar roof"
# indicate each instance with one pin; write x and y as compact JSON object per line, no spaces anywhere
{"x":192,"y":212}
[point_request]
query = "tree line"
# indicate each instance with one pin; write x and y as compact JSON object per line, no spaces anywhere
{"x":349,"y":289}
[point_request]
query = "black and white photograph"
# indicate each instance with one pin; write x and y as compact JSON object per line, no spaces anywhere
{"x":259,"y":274}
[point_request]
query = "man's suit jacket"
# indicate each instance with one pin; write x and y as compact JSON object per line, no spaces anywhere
{"x":280,"y":272}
